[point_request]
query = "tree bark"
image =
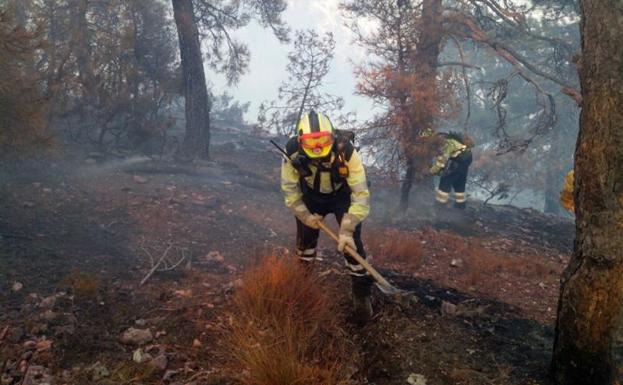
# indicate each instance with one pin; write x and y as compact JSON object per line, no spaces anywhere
{"x":425,"y":62}
{"x":591,"y":295}
{"x":197,"y":136}
{"x":407,"y":183}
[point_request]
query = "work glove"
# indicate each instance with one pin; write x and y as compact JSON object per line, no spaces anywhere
{"x":300,"y":210}
{"x":347,"y":228}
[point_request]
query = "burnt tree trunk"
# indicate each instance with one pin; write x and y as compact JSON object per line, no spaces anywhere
{"x":426,"y":58}
{"x":591,"y":295}
{"x":197,"y":137}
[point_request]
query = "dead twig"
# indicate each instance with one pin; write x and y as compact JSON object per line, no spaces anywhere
{"x":151,"y":258}
{"x":200,"y":374}
{"x":25,"y":373}
{"x":3,"y":333}
{"x":155,"y":266}
{"x":174,"y":265}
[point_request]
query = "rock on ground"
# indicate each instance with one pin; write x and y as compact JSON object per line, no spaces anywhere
{"x":133,"y":336}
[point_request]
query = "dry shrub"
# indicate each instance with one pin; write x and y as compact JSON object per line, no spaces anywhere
{"x":395,"y":246}
{"x":499,"y":263}
{"x":83,"y":285}
{"x":285,"y":327}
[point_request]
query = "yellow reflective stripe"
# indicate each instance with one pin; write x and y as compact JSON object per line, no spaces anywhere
{"x":354,"y":267}
{"x":361,"y":199}
{"x":289,"y":184}
{"x":304,"y":125}
{"x":442,"y":196}
{"x":359,"y":210}
{"x":460,"y":197}
{"x":360,"y":196}
{"x":325,"y":183}
{"x":299,"y":207}
{"x":363,"y":274}
{"x":359,"y":187}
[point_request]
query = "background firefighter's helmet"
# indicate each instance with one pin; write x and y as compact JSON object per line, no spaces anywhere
{"x":315,"y":133}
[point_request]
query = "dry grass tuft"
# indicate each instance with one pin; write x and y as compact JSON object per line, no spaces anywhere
{"x":395,"y":246}
{"x":285,"y":328}
{"x":85,"y":286}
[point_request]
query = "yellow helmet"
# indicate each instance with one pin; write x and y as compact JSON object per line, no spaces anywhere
{"x":315,"y":133}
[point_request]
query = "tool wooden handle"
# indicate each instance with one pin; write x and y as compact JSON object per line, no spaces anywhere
{"x":375,"y":274}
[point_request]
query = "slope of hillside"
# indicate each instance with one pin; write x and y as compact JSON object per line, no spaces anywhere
{"x":78,"y":236}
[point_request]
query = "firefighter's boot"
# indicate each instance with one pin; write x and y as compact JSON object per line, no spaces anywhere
{"x":362,"y":309}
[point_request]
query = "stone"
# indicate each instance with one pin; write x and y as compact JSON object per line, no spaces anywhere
{"x":448,"y":308}
{"x":140,"y":179}
{"x":17,"y":286}
{"x":48,"y":302}
{"x":416,"y":379}
{"x":214,"y":256}
{"x":43,"y":345}
{"x":140,"y":322}
{"x":160,"y":363}
{"x":133,"y":336}
{"x":139,"y":356}
{"x":456,"y":262}
{"x":98,"y":371}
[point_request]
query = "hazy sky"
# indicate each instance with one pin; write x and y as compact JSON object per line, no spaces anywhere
{"x":269,"y":57}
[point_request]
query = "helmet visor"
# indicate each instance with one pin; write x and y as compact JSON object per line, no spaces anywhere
{"x":316,"y":143}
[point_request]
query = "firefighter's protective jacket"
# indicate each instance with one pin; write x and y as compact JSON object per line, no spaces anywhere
{"x":360,"y":195}
{"x":566,"y":195}
{"x":452,"y":148}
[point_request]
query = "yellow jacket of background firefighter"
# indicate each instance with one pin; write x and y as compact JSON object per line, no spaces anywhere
{"x":326,"y":176}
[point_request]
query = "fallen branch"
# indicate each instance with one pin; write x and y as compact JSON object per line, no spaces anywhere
{"x":173,"y":265}
{"x":155,"y":267}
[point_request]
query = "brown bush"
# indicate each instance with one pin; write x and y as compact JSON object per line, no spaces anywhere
{"x":394,"y":246}
{"x":285,"y":328}
{"x":22,"y":123}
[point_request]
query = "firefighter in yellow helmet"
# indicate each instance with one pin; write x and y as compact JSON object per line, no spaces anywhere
{"x":452,"y":165}
{"x":325,"y":175}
